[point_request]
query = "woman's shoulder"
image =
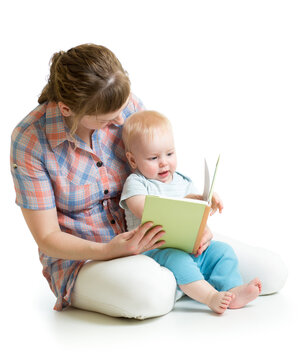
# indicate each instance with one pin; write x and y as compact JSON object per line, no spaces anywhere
{"x":134,"y":105}
{"x":28,"y":127}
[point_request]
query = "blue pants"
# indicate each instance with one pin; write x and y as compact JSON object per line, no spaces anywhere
{"x":218,"y":265}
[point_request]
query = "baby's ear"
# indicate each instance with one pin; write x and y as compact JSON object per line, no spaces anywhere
{"x":131,"y":160}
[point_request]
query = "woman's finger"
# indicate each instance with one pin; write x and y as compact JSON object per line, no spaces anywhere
{"x":129,"y":234}
{"x":155,"y":243}
{"x":141,"y":231}
{"x":151,"y":237}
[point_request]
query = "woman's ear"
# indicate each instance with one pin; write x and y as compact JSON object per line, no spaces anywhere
{"x":65,"y":110}
{"x":131,"y":160}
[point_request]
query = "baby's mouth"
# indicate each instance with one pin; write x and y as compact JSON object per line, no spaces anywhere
{"x":164,"y":173}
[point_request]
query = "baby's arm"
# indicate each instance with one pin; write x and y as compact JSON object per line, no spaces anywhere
{"x":194,"y":196}
{"x":136,"y":205}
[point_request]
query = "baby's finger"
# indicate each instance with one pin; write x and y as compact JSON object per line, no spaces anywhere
{"x":213,"y":211}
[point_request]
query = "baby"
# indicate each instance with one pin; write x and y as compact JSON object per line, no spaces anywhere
{"x":212,"y":277}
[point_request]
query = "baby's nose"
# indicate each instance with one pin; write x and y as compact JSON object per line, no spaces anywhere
{"x":163,"y":161}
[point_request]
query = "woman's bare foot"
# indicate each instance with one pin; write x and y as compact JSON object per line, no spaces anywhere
{"x":219,"y":301}
{"x":245,"y":293}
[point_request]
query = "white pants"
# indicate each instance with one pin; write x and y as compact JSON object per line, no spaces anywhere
{"x":138,"y":287}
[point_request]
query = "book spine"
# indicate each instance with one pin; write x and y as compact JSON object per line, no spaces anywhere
{"x":201,"y":228}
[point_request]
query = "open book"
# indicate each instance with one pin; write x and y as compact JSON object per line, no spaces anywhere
{"x":183,"y":220}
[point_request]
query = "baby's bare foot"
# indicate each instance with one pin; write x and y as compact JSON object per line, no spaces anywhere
{"x":220,"y":301}
{"x":245,"y":293}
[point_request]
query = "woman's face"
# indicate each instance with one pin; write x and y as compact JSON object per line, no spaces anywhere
{"x":95,"y":122}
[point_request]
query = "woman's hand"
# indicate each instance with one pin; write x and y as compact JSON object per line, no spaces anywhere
{"x":205,"y":242}
{"x":216,"y":204}
{"x":134,"y":242}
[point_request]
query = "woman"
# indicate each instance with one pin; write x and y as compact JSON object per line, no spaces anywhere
{"x":68,"y":166}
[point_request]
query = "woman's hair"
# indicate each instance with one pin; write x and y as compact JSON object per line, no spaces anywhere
{"x":89,"y":79}
{"x":143,"y":124}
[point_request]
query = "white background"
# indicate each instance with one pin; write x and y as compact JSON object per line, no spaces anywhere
{"x":232,"y":76}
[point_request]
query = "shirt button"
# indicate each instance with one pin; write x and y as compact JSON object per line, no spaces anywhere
{"x":106,"y":192}
{"x":112,"y":222}
{"x":99,"y":164}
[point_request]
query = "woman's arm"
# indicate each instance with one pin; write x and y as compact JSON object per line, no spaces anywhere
{"x":53,"y":242}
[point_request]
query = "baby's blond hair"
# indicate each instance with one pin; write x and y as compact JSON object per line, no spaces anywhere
{"x":143,"y":124}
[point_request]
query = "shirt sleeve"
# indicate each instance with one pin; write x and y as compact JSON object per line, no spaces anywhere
{"x":134,"y":185}
{"x":134,"y":105}
{"x":31,"y":180}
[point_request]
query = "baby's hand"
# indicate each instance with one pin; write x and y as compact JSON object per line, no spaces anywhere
{"x":205,"y":242}
{"x":216,"y":204}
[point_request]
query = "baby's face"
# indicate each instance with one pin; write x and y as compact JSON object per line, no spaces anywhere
{"x":156,"y":158}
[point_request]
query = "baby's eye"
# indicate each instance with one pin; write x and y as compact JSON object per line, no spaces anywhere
{"x":170,"y":154}
{"x":153,"y":158}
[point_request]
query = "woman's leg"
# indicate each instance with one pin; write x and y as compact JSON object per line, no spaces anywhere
{"x":133,"y":287}
{"x":138,"y":287}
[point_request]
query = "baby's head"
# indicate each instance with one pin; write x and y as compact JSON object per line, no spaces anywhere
{"x":149,"y":145}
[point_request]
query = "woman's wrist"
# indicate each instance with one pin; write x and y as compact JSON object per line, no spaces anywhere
{"x":102,"y":252}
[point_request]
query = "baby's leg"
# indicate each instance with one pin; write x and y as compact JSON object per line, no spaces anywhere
{"x":219,"y":266}
{"x":203,"y":292}
{"x":182,"y":265}
{"x":244,"y":294}
{"x":190,"y":279}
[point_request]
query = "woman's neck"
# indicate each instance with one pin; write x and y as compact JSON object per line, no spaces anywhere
{"x":85,"y":135}
{"x":82,"y":132}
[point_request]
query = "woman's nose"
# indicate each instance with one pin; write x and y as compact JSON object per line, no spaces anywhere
{"x":119,"y":120}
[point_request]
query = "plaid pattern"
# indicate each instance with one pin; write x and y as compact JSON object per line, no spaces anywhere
{"x":50,"y":170}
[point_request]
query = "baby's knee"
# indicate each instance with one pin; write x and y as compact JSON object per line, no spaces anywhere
{"x":219,"y":249}
{"x":169,"y":256}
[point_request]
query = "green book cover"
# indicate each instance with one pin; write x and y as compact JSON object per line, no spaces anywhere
{"x":180,"y":219}
{"x":183,"y":220}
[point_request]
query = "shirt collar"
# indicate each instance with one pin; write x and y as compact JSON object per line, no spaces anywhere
{"x":56,"y":130}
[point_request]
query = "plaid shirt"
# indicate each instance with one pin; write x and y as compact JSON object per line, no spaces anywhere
{"x":50,"y":170}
